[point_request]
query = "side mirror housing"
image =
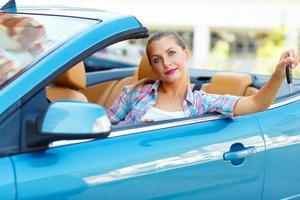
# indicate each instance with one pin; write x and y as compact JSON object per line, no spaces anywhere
{"x":69,"y":120}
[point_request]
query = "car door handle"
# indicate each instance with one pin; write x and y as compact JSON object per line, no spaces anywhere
{"x":240,"y":154}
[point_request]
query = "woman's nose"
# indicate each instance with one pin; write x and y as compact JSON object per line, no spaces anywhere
{"x":166,"y":62}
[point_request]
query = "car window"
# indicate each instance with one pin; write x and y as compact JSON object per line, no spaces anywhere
{"x":123,"y":54}
{"x":26,"y":37}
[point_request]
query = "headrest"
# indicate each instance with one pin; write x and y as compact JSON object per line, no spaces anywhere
{"x":145,"y":71}
{"x":229,"y":83}
{"x":73,"y":78}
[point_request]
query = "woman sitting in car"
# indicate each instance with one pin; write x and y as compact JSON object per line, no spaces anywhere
{"x":171,"y":96}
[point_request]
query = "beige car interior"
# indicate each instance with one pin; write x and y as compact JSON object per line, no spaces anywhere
{"x":230,"y":83}
{"x":72,"y":85}
{"x":69,"y":85}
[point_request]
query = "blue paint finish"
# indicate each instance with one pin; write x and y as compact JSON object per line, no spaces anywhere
{"x":281,"y":129}
{"x":10,"y":6}
{"x":54,"y":61}
{"x":7,"y":183}
{"x":184,"y":162}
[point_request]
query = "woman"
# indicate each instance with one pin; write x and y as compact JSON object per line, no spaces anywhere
{"x":171,"y":95}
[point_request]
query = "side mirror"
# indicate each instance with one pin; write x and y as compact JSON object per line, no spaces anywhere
{"x":65,"y":120}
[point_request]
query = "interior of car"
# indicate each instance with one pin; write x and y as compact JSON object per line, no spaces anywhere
{"x":72,"y":85}
{"x":75,"y":84}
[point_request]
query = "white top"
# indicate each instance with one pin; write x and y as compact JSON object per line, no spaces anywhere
{"x":157,"y":114}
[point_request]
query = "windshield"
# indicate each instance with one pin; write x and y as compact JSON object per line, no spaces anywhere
{"x":26,"y":37}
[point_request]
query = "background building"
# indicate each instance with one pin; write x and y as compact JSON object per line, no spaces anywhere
{"x":222,"y":34}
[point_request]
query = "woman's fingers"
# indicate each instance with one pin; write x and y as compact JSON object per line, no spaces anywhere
{"x":289,"y":58}
{"x":289,"y":54}
{"x":286,"y":54}
{"x":286,"y":61}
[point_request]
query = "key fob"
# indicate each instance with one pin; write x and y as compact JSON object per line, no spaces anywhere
{"x":288,"y":73}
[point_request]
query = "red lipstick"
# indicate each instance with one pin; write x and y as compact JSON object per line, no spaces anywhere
{"x":170,"y":71}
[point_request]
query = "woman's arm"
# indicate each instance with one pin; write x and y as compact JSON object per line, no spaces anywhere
{"x":265,"y":96}
{"x":121,"y":106}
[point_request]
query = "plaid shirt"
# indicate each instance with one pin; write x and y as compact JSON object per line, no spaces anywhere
{"x":132,"y":104}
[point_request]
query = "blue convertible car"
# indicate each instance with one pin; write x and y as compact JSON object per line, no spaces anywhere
{"x":56,"y":141}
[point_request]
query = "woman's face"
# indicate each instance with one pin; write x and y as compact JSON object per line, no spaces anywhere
{"x":167,"y":59}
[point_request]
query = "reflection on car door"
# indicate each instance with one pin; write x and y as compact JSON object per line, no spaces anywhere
{"x":179,"y":162}
{"x":281,"y":130}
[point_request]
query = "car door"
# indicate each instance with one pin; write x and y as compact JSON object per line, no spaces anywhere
{"x":9,"y":142}
{"x":7,"y":181}
{"x":281,"y":127}
{"x":181,"y":159}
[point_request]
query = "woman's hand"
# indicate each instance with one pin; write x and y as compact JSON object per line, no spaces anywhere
{"x":287,"y":58}
{"x":265,"y":96}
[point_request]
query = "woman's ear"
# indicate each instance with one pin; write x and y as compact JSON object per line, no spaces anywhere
{"x":188,"y":53}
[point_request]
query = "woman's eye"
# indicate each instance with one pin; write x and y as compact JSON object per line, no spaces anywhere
{"x":155,"y":60}
{"x":170,"y":53}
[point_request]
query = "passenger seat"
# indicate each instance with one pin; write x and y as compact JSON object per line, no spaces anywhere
{"x":230,"y":83}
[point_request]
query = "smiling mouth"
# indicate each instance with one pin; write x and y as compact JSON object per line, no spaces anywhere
{"x":170,"y":71}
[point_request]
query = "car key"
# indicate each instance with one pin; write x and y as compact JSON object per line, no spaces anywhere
{"x":289,"y":76}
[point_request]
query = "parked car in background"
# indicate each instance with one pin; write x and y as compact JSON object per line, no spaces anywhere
{"x":57,"y":141}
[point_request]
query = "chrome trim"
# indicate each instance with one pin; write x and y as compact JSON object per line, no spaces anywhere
{"x":282,"y":103}
{"x":143,"y":129}
{"x":166,"y":125}
{"x":66,"y":142}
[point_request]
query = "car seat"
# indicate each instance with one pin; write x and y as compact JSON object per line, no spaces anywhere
{"x":238,"y":84}
{"x":68,"y":86}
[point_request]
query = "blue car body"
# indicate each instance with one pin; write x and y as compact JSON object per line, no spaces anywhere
{"x":207,"y":157}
